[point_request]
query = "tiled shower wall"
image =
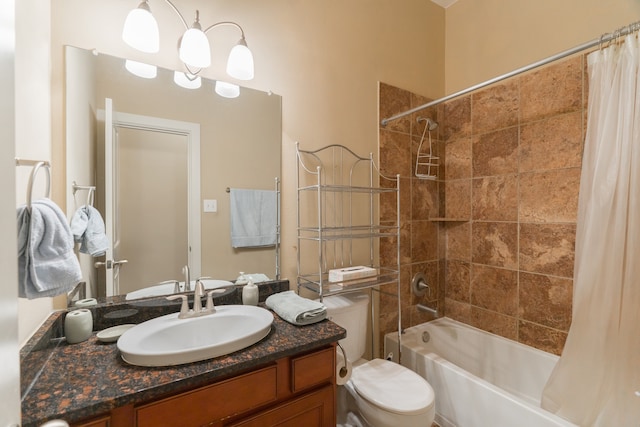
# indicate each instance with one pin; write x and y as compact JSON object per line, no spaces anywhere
{"x":502,"y":258}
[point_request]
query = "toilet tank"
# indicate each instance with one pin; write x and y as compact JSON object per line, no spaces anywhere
{"x":351,"y":312}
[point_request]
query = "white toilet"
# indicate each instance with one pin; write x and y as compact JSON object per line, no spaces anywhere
{"x":384,"y":393}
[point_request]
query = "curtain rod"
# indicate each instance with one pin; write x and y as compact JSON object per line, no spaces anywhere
{"x":605,"y":38}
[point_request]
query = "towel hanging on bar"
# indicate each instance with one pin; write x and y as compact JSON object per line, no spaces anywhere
{"x":253,"y":218}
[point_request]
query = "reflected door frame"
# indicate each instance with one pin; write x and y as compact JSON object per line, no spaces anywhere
{"x":154,"y":124}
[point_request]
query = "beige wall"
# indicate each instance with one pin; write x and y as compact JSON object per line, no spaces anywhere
{"x":487,"y":38}
{"x":324,"y":59}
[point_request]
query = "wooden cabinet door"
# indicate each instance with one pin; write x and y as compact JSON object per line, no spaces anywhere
{"x":98,"y":422}
{"x":315,"y":409}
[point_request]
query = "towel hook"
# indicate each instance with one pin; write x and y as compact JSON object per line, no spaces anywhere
{"x":90,"y":192}
{"x":37,"y":164}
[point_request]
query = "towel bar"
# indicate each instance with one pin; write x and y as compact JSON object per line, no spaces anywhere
{"x":37,"y":164}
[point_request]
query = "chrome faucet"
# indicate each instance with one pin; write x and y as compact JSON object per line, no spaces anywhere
{"x":187,"y":278}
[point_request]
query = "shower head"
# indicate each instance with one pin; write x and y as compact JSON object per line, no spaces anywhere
{"x":431,"y":125}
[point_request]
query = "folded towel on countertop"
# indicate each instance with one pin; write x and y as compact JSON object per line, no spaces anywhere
{"x":254,"y":217}
{"x":296,"y":309}
{"x":47,"y":265}
{"x":88,"y":228}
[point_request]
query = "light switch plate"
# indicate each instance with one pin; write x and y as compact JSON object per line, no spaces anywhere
{"x":210,"y":205}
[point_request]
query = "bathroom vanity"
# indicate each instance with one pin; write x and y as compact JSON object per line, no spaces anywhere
{"x":288,"y":378}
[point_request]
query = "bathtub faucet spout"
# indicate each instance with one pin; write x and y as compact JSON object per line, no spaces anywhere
{"x":432,"y":311}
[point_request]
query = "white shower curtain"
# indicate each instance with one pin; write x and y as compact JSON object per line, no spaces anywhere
{"x":597,"y":380}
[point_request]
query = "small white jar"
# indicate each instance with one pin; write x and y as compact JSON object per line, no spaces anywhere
{"x":78,"y":325}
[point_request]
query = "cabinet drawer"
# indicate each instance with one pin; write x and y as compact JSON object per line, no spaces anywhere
{"x":212,"y":403}
{"x":99,"y":422}
{"x":315,"y":409}
{"x":312,"y":369}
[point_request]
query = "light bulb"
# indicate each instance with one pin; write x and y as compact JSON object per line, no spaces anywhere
{"x":227,"y":90}
{"x":194,"y":48}
{"x":141,"y":69}
{"x":240,"y":62}
{"x":187,"y":81}
{"x":140,"y":30}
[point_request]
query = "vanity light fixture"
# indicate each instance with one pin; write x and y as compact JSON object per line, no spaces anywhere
{"x":141,"y":32}
{"x":187,"y":80}
{"x":140,"y":69}
{"x":227,"y":90}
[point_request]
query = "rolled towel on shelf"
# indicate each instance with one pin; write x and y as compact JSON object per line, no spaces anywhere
{"x":296,"y":309}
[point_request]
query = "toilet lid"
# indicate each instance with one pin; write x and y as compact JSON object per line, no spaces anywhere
{"x":392,"y":387}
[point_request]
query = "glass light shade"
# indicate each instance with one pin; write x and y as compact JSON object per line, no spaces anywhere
{"x":227,"y":90}
{"x":240,"y":62}
{"x":194,"y":49}
{"x":141,"y":69}
{"x":187,"y":82}
{"x":141,"y":30}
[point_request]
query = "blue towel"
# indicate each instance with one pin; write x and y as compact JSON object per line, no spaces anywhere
{"x":254,"y":217}
{"x":296,"y":309}
{"x":87,"y":227}
{"x":47,"y":265}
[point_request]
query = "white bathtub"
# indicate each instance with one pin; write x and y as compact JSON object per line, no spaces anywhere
{"x":479,"y":379}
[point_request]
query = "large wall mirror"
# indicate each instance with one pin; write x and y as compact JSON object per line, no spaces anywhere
{"x":176,"y":148}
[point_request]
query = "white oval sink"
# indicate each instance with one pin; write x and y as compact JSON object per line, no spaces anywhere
{"x":167,"y":340}
{"x":167,"y":288}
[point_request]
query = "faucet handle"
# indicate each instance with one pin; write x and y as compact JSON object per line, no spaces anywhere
{"x":184,"y":307}
{"x":210,"y":307}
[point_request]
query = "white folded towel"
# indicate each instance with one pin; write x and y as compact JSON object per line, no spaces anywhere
{"x":296,"y":309}
{"x":88,"y":228}
{"x":254,"y":217}
{"x":47,"y":265}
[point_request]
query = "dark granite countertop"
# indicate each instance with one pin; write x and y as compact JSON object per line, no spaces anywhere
{"x":78,"y":381}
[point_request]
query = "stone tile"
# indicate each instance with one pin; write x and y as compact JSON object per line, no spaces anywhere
{"x":458,"y":236}
{"x":548,"y":248}
{"x":553,"y":143}
{"x":495,"y":244}
{"x":458,"y":199}
{"x":405,"y":243}
{"x":388,"y":201}
{"x":495,"y":198}
{"x":393,"y":101}
{"x":552,"y":90}
{"x":495,"y":153}
{"x":395,"y":149}
{"x":550,"y":196}
{"x":388,"y":299}
{"x":496,"y":323}
{"x":424,"y":203}
{"x":495,"y":289}
{"x":458,"y":281}
{"x":546,"y":300}
{"x":541,"y":337}
{"x":458,"y":159}
{"x":495,"y":107}
{"x":457,"y":118}
{"x":388,"y":253}
{"x":424,"y":241}
{"x":456,"y":310}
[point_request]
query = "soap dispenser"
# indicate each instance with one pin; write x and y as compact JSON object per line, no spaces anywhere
{"x":250,"y":293}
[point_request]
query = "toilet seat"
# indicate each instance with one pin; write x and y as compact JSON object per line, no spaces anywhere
{"x":392,"y":387}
